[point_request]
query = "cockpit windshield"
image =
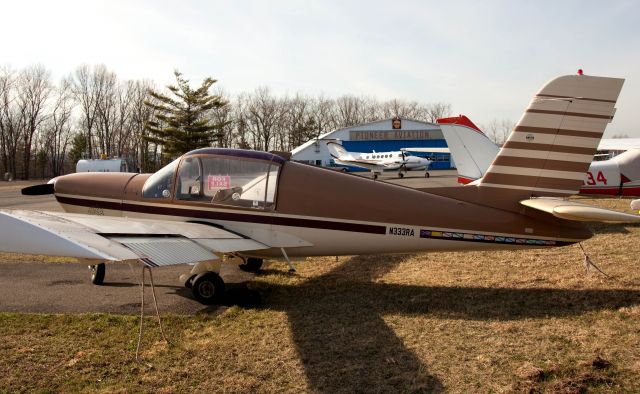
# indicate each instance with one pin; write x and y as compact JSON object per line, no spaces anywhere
{"x":160,"y":184}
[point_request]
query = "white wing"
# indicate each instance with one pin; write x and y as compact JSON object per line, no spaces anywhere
{"x":116,"y":239}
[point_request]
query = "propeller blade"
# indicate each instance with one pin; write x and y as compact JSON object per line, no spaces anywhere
{"x":38,"y":190}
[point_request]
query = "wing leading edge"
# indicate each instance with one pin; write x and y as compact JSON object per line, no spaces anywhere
{"x":117,"y":239}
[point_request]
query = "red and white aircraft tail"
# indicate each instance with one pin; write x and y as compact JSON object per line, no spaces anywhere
{"x":618,"y":176}
{"x":472,"y":151}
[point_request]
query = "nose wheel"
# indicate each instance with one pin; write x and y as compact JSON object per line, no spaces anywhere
{"x":97,"y":273}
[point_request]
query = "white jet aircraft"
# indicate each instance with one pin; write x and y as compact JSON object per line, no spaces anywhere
{"x":377,"y":162}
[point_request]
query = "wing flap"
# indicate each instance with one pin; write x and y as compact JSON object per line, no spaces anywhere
{"x":231,"y":245}
{"x":579,"y":212}
{"x":162,"y":251}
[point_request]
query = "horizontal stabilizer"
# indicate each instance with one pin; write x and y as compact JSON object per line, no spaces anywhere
{"x":580,"y":212}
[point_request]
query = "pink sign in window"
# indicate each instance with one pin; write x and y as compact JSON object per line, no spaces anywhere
{"x":219,"y":181}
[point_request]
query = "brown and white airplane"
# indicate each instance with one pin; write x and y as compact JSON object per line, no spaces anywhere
{"x":254,"y":205}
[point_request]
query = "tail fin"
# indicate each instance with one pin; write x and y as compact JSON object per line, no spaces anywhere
{"x":551,"y":147}
{"x":337,"y":151}
{"x":471,"y":149}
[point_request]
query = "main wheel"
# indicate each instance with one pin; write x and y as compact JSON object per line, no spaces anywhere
{"x":401,"y":175}
{"x":426,"y":175}
{"x":252,"y":265}
{"x":97,"y":273}
{"x":208,"y":288}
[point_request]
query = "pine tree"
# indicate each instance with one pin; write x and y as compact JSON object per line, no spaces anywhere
{"x":180,"y":123}
{"x":78,"y":147}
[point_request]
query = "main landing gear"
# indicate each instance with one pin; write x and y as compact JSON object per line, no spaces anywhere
{"x":205,"y":281}
{"x":208,"y":288}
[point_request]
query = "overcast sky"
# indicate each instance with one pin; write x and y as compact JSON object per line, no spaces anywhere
{"x":485,"y":58}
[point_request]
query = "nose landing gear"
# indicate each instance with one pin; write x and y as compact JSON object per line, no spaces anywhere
{"x":97,"y":273}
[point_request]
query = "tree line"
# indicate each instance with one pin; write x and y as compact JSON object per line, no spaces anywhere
{"x":46,"y":127}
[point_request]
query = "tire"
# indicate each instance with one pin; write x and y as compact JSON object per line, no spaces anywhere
{"x":97,"y":273}
{"x":252,"y":265}
{"x":426,"y":175}
{"x":208,"y":288}
{"x":189,"y":283}
{"x":401,"y":175}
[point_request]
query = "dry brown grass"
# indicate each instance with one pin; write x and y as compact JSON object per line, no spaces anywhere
{"x":525,"y":321}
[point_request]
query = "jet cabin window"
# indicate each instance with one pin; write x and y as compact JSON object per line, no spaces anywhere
{"x":228,"y":181}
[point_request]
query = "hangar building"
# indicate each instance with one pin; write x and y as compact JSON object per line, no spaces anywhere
{"x":381,"y":136}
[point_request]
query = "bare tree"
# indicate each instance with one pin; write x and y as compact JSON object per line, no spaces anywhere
{"x":34,"y":90}
{"x":298,"y":122}
{"x":264,"y":113}
{"x":323,"y":112}
{"x":140,"y":115}
{"x":89,"y":87}
{"x":57,"y":128}
{"x":434,"y":111}
{"x":349,"y":111}
{"x":107,"y":94}
{"x":399,"y":108}
{"x":240,"y":115}
{"x":223,"y":116}
{"x":6,"y":86}
{"x":498,"y":130}
{"x":12,"y":118}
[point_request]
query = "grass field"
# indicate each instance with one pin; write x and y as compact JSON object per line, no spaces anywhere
{"x":526,"y":321}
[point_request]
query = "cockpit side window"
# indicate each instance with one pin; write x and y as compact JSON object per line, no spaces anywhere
{"x":239,"y":182}
{"x":160,"y":184}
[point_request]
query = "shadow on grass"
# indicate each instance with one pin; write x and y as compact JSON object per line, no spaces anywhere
{"x":345,"y":345}
{"x":611,"y":228}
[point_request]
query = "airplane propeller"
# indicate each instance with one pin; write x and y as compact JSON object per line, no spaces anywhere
{"x":38,"y":190}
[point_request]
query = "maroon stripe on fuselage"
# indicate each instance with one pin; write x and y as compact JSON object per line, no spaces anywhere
{"x":577,"y":114}
{"x":228,"y":216}
{"x":578,"y":98}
